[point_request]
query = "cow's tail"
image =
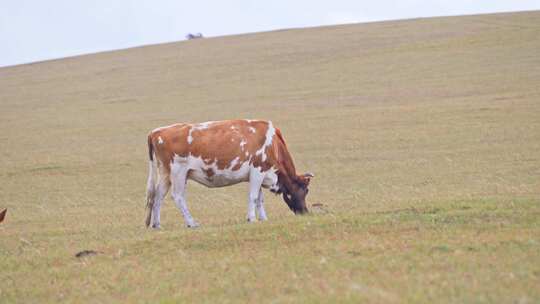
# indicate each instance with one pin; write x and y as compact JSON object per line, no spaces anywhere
{"x":151,"y":183}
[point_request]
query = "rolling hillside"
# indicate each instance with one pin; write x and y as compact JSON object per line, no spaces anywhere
{"x":424,"y":136}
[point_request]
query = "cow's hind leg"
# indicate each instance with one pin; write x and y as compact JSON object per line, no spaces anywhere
{"x":179,"y":174}
{"x":155,"y":193}
{"x":161,"y":191}
{"x":260,"y":206}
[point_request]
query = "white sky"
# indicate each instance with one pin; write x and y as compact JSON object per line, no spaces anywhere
{"x":34,"y":30}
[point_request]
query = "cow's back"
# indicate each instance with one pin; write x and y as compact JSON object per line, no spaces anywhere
{"x":225,"y":141}
{"x":227,"y":144}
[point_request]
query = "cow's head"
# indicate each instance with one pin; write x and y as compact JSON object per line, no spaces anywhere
{"x":295,"y":194}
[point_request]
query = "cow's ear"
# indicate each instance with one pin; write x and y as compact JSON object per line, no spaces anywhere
{"x":308,"y":176}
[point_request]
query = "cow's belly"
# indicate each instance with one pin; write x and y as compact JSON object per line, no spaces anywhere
{"x":222,"y":178}
{"x":211,"y":176}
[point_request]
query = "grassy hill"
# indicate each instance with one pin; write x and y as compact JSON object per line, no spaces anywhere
{"x":424,"y":136}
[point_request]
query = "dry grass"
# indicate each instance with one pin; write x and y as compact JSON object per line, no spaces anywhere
{"x":424,"y":136}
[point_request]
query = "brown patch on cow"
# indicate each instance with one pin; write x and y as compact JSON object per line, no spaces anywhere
{"x":218,"y":142}
{"x":209,"y":172}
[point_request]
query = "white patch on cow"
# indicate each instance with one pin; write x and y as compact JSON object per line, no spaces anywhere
{"x":233,"y":163}
{"x":252,"y":130}
{"x":203,"y":125}
{"x":232,"y":139}
{"x":242,"y":144}
{"x":247,"y":153}
{"x":270,"y":180}
{"x":196,"y":127}
{"x":160,"y":140}
{"x":267,"y":142}
{"x":179,"y":159}
{"x":165,"y":127}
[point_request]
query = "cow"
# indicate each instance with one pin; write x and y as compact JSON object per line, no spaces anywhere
{"x":220,"y":154}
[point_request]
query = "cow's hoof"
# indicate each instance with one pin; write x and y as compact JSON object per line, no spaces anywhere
{"x":193,"y":225}
{"x":156,"y":226}
{"x":263,"y":219}
{"x":251,"y":220}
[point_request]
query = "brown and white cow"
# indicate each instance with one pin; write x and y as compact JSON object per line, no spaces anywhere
{"x":219,"y":154}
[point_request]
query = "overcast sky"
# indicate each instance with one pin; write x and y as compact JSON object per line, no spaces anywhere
{"x":46,"y":29}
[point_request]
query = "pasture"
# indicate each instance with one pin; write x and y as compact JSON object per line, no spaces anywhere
{"x":423,"y":135}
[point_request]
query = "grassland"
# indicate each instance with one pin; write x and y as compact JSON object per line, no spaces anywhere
{"x":424,"y":136}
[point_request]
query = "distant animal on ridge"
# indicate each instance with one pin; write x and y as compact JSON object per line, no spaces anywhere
{"x":219,"y":154}
{"x":191,"y":36}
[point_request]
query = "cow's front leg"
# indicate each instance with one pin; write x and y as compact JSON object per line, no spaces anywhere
{"x":260,"y":206}
{"x":255,"y":182}
{"x":179,"y":178}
